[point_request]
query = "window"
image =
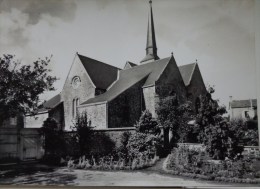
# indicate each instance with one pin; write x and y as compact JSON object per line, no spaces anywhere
{"x":75,"y":104}
{"x":73,"y":107}
{"x":197,"y":104}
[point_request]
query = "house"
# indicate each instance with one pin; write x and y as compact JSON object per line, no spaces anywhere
{"x":114,"y":97}
{"x":243,"y":109}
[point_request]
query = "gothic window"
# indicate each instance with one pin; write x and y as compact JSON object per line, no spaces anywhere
{"x":75,"y":104}
{"x":197,"y":104}
{"x":73,"y":107}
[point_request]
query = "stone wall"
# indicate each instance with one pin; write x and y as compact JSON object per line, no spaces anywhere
{"x":84,"y":91}
{"x":97,"y":114}
{"x":35,"y":121}
{"x":169,"y":83}
{"x":149,"y":99}
{"x":116,"y":134}
{"x":126,"y":109}
{"x":58,"y":114}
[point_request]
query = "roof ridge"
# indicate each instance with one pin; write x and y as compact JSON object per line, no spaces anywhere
{"x":140,"y":65}
{"x":187,"y":64}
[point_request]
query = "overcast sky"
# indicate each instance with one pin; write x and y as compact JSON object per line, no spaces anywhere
{"x":219,"y":33}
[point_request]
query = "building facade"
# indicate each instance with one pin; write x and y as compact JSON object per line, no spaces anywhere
{"x":114,"y":97}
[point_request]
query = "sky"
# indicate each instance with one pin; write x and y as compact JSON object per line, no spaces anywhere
{"x":220,"y":34}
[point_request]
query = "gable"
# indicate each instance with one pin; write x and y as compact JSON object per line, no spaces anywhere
{"x":129,"y":65}
{"x":101,"y":74}
{"x":196,"y":78}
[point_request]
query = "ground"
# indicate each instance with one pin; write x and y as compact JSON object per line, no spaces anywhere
{"x":38,"y":174}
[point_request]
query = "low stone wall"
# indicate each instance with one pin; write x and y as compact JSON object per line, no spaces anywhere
{"x":116,"y":133}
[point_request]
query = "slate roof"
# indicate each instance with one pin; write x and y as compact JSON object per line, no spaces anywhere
{"x":101,"y":74}
{"x":129,"y":77}
{"x":53,"y":102}
{"x":243,"y":103}
{"x":186,"y":72}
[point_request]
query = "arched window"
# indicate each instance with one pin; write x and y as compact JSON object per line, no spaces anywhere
{"x":73,"y":107}
{"x":197,"y":104}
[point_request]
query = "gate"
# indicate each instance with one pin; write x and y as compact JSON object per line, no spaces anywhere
{"x":29,"y":148}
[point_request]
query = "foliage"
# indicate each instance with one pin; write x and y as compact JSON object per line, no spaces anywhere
{"x":189,"y":162}
{"x":214,"y":130}
{"x":143,"y":143}
{"x":246,"y":131}
{"x":83,"y":133}
{"x":21,"y":85}
{"x":147,"y":124}
{"x":90,"y":142}
{"x":112,"y":163}
{"x":174,"y":116}
{"x":54,"y":143}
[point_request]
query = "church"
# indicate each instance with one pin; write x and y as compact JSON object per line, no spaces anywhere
{"x":114,"y":97}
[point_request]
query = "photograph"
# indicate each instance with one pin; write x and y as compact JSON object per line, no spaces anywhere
{"x":139,"y":93}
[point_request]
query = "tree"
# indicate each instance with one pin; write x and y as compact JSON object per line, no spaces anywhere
{"x":214,"y":129}
{"x":83,"y":133}
{"x":173,"y":116}
{"x":54,"y":142}
{"x":147,"y":124}
{"x":21,"y":85}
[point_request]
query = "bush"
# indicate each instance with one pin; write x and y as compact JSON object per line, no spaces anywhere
{"x":143,"y":143}
{"x":54,"y":142}
{"x":147,"y":124}
{"x":187,"y":162}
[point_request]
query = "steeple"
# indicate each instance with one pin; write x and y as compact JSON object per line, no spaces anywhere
{"x":151,"y":48}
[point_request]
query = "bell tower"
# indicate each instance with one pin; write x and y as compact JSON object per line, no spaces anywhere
{"x":151,"y":48}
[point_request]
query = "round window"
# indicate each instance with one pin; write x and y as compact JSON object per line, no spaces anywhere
{"x":76,"y":82}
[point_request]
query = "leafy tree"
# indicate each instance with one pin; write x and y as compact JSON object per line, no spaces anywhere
{"x":215,"y":133}
{"x":174,"y":116}
{"x":83,"y":133}
{"x":54,"y":142}
{"x":21,"y":85}
{"x":147,"y":124}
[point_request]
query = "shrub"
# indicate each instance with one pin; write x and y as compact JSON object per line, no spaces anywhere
{"x":54,"y":142}
{"x":143,"y":143}
{"x":147,"y":124}
{"x":194,"y":163}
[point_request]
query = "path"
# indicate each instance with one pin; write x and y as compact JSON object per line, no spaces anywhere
{"x":41,"y":175}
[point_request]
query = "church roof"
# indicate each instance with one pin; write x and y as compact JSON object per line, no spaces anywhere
{"x":186,"y":72}
{"x":129,"y":64}
{"x":243,"y":103}
{"x":127,"y":78}
{"x":53,"y":102}
{"x":101,"y":74}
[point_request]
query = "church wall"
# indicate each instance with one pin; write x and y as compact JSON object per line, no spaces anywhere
{"x":149,"y":99}
{"x":196,"y":87}
{"x":97,"y":114}
{"x":126,"y":109}
{"x":84,"y":91}
{"x":170,"y":82}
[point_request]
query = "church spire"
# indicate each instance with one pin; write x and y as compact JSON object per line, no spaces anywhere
{"x":151,"y":48}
